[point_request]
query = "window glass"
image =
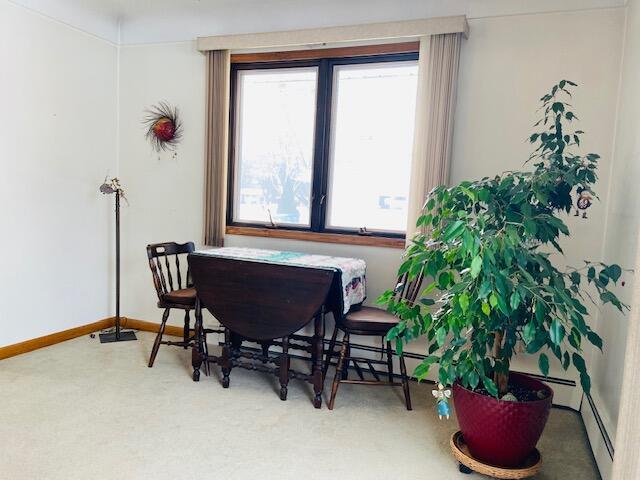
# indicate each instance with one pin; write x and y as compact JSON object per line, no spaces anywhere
{"x":274,"y":135}
{"x":373,"y":115}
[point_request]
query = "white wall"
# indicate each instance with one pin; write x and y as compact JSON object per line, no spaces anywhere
{"x":620,"y":240}
{"x":57,"y":142}
{"x":506,"y":65}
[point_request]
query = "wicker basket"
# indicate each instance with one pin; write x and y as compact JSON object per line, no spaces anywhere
{"x":530,"y":467}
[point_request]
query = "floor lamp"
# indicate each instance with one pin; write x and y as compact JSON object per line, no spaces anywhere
{"x":108,"y":187}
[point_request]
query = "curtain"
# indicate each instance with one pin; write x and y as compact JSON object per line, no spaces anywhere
{"x":216,"y":147}
{"x":435,"y":105}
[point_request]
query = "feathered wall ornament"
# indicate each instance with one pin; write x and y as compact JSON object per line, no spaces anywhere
{"x":164,"y":127}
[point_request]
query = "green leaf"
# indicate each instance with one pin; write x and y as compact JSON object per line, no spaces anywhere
{"x":476,"y":266}
{"x":463,"y":300}
{"x":441,"y":335}
{"x":614,"y":272}
{"x":530,"y":226}
{"x":578,"y":361}
{"x":543,"y":364}
{"x":514,"y":301}
{"x":473,"y":379}
{"x":528,"y":332}
{"x":486,"y":309}
{"x":595,"y":339}
{"x":556,"y":332}
{"x":502,"y":305}
{"x":443,"y":280}
{"x":603,"y":277}
{"x":493,"y":300}
{"x":490,"y":386}
{"x":585,"y":382}
{"x":453,"y":230}
{"x":566,"y":360}
{"x":574,"y":338}
{"x":484,"y":290}
{"x":422,"y":370}
{"x":404,"y":268}
{"x":575,"y":278}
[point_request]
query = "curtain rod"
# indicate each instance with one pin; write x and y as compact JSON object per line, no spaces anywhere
{"x":349,"y":33}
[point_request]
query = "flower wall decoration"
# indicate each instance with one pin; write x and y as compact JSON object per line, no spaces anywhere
{"x":164,"y":127}
{"x":112,"y":185}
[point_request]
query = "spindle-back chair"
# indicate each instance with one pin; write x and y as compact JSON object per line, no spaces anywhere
{"x":174,"y":289}
{"x":371,"y":321}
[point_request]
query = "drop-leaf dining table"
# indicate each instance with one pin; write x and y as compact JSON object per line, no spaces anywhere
{"x":266,"y":296}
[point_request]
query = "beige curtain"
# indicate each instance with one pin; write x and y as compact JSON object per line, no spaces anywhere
{"x":216,"y":147}
{"x":438,"y":77}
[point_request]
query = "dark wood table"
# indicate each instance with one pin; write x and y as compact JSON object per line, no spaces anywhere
{"x":265,"y":303}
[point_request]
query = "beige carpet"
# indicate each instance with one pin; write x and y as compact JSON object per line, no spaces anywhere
{"x":81,"y":410}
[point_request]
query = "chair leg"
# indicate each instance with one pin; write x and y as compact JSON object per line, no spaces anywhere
{"x":389,"y":362}
{"x":405,"y":383}
{"x":185,"y":331}
{"x":332,"y":345}
{"x":345,"y":366}
{"x":338,"y":375}
{"x":156,"y":344}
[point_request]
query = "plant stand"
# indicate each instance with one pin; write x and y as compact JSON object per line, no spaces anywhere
{"x":118,"y":335}
{"x":468,"y":464}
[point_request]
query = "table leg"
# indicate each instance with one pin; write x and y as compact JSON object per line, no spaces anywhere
{"x":225,"y":359}
{"x":284,"y":368}
{"x":318,"y":346}
{"x":197,"y":353}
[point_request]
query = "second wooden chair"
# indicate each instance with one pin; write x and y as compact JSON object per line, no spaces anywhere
{"x":370,"y":321}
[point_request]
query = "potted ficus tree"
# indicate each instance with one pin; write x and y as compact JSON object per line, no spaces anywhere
{"x":495,"y":286}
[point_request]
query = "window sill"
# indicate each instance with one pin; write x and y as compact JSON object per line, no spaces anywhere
{"x":371,"y":241}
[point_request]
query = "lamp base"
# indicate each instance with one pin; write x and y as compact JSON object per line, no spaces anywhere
{"x":111,"y":337}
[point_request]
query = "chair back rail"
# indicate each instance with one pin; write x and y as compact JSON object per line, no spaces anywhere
{"x":410,"y":286}
{"x":163,"y":277}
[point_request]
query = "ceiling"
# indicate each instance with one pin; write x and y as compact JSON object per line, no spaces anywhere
{"x":153,"y":21}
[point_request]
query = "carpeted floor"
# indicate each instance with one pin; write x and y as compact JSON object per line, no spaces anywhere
{"x":81,"y":410}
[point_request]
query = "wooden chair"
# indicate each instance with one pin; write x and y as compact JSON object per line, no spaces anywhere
{"x":370,"y":321}
{"x":172,"y":291}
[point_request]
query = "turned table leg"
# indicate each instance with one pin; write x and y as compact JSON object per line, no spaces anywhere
{"x":225,"y":359}
{"x":197,"y":351}
{"x":284,"y":368}
{"x":318,"y":347}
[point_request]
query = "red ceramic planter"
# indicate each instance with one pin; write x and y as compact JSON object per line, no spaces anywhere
{"x":499,"y":432}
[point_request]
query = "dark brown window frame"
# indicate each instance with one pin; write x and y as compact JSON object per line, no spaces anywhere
{"x":324,"y":60}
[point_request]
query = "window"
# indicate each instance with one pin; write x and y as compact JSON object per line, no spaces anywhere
{"x":323,"y":145}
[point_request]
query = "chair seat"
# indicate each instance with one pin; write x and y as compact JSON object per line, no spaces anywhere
{"x":370,"y":319}
{"x":184,"y":296}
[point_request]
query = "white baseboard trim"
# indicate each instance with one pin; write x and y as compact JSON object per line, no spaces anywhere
{"x":599,"y":432}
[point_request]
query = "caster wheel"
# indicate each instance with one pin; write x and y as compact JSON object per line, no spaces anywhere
{"x":317,"y":401}
{"x":283,"y":393}
{"x":464,"y":469}
{"x":196,"y":375}
{"x":225,"y":382}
